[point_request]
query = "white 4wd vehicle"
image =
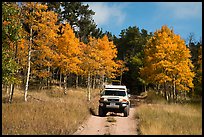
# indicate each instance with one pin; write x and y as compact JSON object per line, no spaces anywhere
{"x":114,"y":98}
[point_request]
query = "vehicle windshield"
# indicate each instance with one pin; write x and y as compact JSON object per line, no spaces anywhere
{"x":117,"y":88}
{"x":114,"y":93}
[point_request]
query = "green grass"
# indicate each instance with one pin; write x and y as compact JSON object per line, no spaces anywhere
{"x":170,"y":119}
{"x":56,"y":114}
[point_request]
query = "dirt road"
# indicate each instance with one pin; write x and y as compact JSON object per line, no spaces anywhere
{"x":112,"y":124}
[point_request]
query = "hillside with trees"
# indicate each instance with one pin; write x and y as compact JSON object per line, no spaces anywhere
{"x":55,"y":60}
{"x":48,"y":50}
{"x":45,"y":44}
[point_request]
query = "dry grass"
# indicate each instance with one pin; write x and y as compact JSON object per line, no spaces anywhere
{"x":93,"y":104}
{"x":46,"y":112}
{"x":111,"y":119}
{"x":170,"y":119}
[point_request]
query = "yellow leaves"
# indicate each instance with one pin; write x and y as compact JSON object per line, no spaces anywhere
{"x":99,"y":55}
{"x":120,"y":67}
{"x":166,"y":57}
{"x":70,"y":51}
{"x":35,"y":5}
{"x":43,"y":23}
{"x":57,"y":45}
{"x":23,"y":44}
{"x":37,"y":13}
{"x":160,"y":55}
{"x":5,"y":23}
{"x":165,"y":63}
{"x":41,"y":73}
{"x":161,"y":78}
{"x":40,"y":6}
{"x":159,"y":34}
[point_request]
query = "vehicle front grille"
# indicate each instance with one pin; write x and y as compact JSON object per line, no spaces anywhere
{"x":113,"y":100}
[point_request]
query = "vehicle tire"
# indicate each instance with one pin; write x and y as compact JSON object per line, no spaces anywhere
{"x":126,"y":111}
{"x":101,"y":112}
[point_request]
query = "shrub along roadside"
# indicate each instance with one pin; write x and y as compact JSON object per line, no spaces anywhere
{"x":58,"y":115}
{"x":160,"y":118}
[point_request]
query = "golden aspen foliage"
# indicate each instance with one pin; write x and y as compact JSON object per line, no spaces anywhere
{"x":68,"y":47}
{"x":99,"y":56}
{"x":44,"y":39}
{"x":91,"y":57}
{"x":108,"y":54}
{"x":22,"y":52}
{"x":120,"y":68}
{"x":167,"y":60}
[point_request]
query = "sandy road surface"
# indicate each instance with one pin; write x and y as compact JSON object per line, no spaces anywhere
{"x":112,"y":124}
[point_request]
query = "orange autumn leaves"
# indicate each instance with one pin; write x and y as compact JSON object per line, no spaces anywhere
{"x":167,"y":60}
{"x":57,"y":46}
{"x":96,"y":57}
{"x":99,"y":57}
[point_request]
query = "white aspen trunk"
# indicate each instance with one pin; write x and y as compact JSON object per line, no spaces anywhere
{"x":89,"y":87}
{"x":106,"y":79}
{"x":48,"y":78}
{"x":167,"y":97}
{"x":91,"y":81}
{"x":101,"y":82}
{"x":28,"y":75}
{"x":77,"y":81}
{"x":40,"y":84}
{"x":170,"y":92}
{"x":11,"y":86}
{"x":11,"y":93}
{"x":103,"y":79}
{"x":65,"y":84}
{"x":7,"y":90}
{"x":174,"y":90}
{"x":94,"y":82}
{"x":121,"y":78}
{"x":159,"y":90}
{"x":29,"y":58}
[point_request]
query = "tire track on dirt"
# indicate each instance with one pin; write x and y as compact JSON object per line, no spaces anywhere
{"x":120,"y":125}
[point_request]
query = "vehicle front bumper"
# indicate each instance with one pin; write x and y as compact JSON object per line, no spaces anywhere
{"x":115,"y":106}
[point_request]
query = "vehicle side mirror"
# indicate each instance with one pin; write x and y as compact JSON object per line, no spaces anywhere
{"x":128,"y":90}
{"x":129,"y":95}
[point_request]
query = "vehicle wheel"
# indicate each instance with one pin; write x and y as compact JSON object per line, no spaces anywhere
{"x":126,"y":111}
{"x":101,"y":112}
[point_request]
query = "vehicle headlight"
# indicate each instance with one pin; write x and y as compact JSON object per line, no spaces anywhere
{"x":103,"y":99}
{"x":124,"y":100}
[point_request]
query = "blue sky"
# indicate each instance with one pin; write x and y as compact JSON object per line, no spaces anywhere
{"x":183,"y":17}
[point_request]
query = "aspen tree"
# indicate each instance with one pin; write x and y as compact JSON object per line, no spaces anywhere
{"x":40,"y":33}
{"x":167,"y":61}
{"x":69,"y":51}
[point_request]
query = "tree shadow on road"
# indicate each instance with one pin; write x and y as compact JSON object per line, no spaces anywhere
{"x":92,"y":112}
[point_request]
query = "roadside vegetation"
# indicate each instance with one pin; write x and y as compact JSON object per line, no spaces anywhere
{"x":159,"y":117}
{"x":47,"y":112}
{"x":43,"y":47}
